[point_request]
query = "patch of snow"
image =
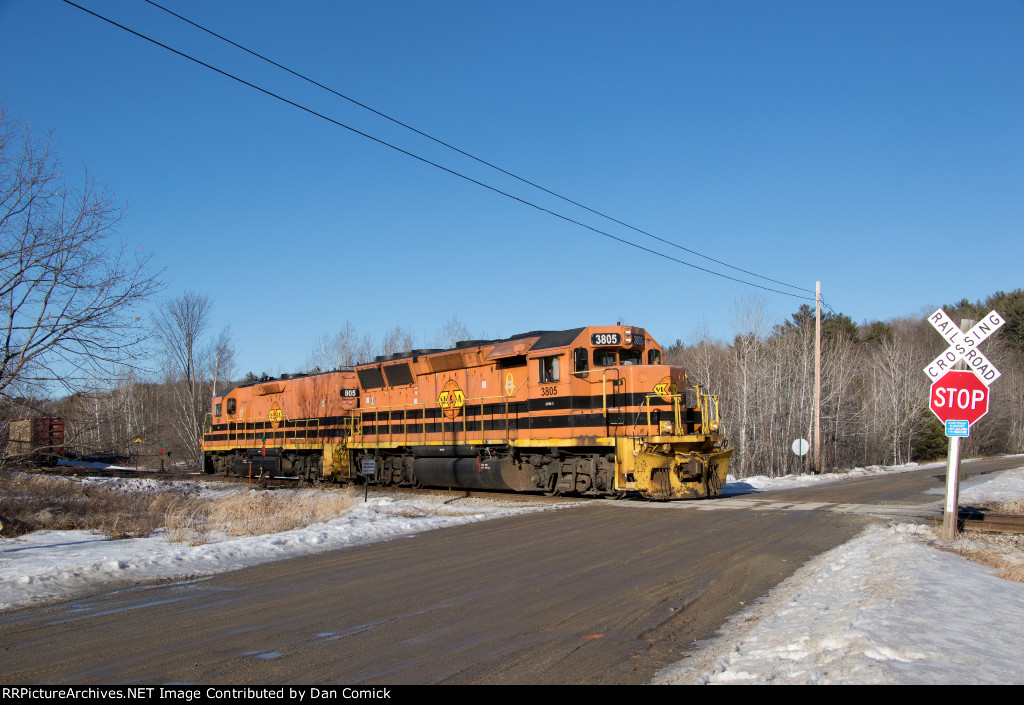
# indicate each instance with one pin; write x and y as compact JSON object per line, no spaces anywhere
{"x":885,"y":607}
{"x":882,"y":608}
{"x":46,"y":566}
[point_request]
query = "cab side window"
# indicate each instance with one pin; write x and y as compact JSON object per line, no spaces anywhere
{"x":231,"y":406}
{"x":580,"y":366}
{"x":548,"y":369}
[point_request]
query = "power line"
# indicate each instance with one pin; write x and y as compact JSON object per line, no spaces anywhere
{"x":435,"y":164}
{"x":463,"y":152}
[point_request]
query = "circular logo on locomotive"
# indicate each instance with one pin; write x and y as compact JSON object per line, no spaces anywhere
{"x":510,"y":385}
{"x":275,"y":415}
{"x":666,"y":388}
{"x":451,"y":399}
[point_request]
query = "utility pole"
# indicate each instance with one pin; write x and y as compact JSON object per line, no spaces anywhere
{"x":817,"y":377}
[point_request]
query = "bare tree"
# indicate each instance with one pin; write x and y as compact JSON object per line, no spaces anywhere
{"x":180,"y":324}
{"x":899,"y":395}
{"x":192,"y":366}
{"x":748,"y":322}
{"x":223,"y":356}
{"x":397,"y":340}
{"x":343,"y":349}
{"x":68,"y":289}
{"x":452,"y":331}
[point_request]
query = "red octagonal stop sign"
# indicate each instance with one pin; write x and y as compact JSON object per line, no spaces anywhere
{"x":959,"y":395}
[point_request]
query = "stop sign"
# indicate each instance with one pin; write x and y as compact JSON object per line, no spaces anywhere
{"x":959,"y":395}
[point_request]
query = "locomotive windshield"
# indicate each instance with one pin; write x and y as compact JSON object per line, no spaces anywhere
{"x":610,"y":358}
{"x":631,"y":357}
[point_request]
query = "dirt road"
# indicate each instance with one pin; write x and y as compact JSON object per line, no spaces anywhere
{"x":604,"y":593}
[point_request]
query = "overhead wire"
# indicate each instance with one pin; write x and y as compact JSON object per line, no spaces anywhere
{"x":465,"y":153}
{"x":444,"y":168}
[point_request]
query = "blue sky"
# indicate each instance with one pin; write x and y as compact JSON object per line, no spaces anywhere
{"x":876,"y":146}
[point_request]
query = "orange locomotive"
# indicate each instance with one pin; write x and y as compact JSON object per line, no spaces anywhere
{"x":591,"y":411}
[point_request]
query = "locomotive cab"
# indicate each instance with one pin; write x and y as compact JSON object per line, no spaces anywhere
{"x":665,"y":448}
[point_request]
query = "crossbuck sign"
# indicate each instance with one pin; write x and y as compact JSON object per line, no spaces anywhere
{"x":964,"y":346}
{"x":960,"y":398}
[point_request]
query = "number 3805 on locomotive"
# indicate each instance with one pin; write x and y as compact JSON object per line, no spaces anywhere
{"x":590,"y":411}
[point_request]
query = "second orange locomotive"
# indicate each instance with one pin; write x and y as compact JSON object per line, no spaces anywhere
{"x":590,"y":411}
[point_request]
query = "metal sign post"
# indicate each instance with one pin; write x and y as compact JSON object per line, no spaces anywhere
{"x":951,"y":512}
{"x":368,"y":469}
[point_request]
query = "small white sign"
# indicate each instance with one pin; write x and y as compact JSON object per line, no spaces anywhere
{"x":800,"y":447}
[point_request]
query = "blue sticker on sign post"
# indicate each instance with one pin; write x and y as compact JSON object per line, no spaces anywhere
{"x":959,"y":429}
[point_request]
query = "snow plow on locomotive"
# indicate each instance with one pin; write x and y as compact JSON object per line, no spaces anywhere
{"x":590,"y":411}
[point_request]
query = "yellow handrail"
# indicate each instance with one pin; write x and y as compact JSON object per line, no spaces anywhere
{"x":236,"y":431}
{"x":677,"y":415}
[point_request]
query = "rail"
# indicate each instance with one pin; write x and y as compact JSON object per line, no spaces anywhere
{"x":996,"y":523}
{"x":708,"y":405}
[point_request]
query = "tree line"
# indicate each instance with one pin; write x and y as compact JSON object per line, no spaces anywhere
{"x":874,"y":393}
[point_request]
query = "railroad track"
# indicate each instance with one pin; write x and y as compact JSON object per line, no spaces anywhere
{"x":996,"y":523}
{"x":282,"y":482}
{"x":75,"y":471}
{"x":969,"y":520}
{"x":273,"y":483}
